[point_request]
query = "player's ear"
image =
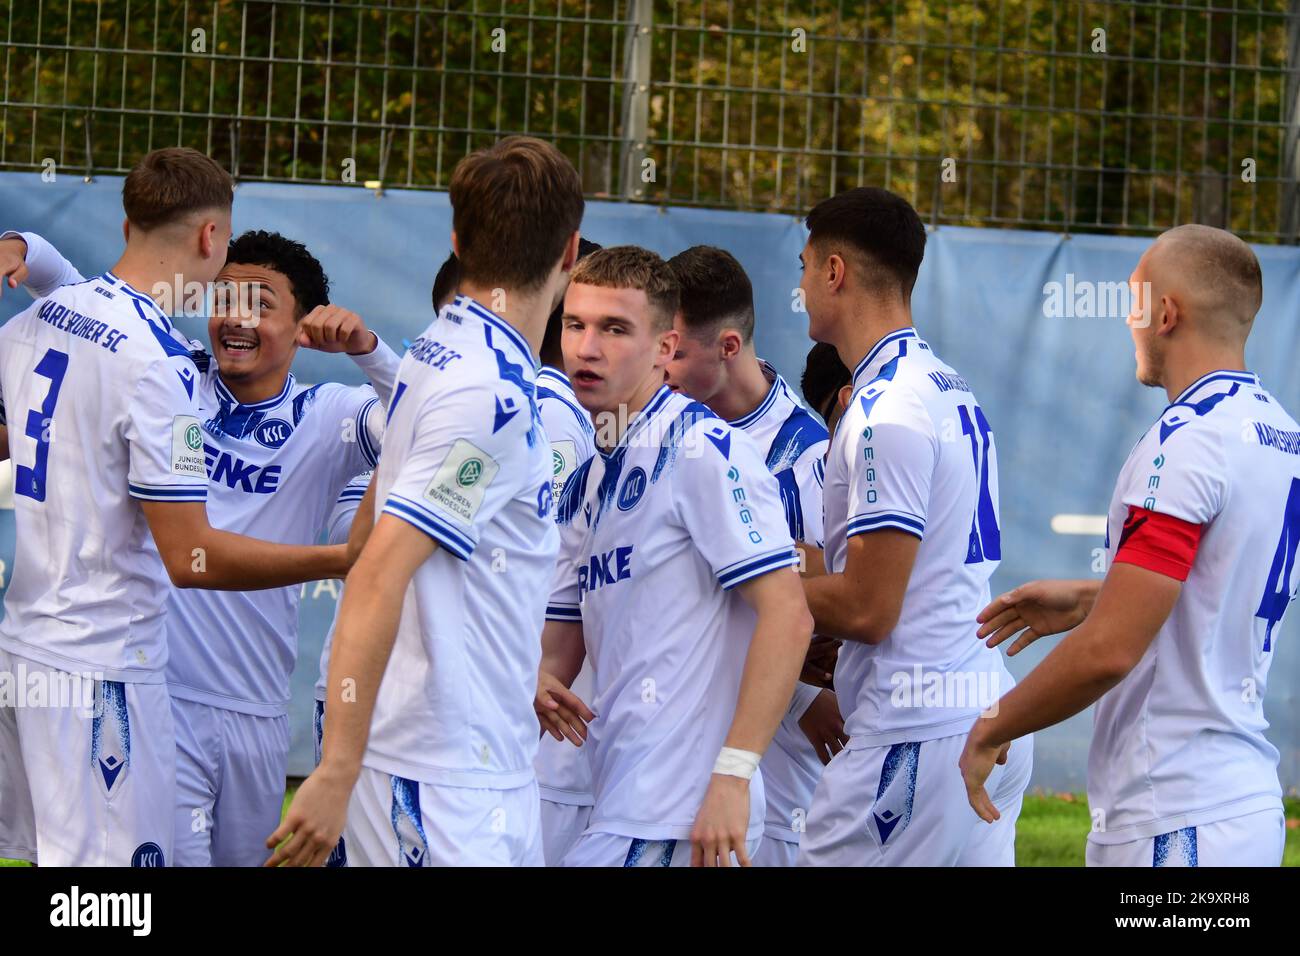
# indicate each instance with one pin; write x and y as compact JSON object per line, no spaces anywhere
{"x":731,"y":343}
{"x":836,"y":270}
{"x":126,"y":229}
{"x":667,"y":345}
{"x":455,"y":244}
{"x":845,"y":396}
{"x":1170,"y":315}
{"x":571,"y":253}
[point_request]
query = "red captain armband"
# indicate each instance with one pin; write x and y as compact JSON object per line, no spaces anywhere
{"x":1158,"y":542}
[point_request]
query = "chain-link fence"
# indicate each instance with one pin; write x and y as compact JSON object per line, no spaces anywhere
{"x":1081,"y":116}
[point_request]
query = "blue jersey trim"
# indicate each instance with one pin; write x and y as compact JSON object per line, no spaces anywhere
{"x":431,"y":524}
{"x":225,"y":393}
{"x":1222,"y":375}
{"x":563,"y":612}
{"x":898,"y":336}
{"x":505,"y":328}
{"x":864,"y":524}
{"x":743,"y":571}
{"x":169,"y":492}
{"x":368,"y":449}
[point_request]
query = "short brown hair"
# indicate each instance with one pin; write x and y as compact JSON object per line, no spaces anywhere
{"x":169,"y":184}
{"x":514,"y":206}
{"x":631,"y":267}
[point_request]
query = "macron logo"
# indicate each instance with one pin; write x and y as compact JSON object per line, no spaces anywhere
{"x":103,"y":909}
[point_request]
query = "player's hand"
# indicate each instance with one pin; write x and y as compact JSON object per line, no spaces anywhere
{"x":819,"y":663}
{"x":13,"y":263}
{"x":332,"y":328}
{"x":560,"y":711}
{"x":823,"y":726}
{"x":314,"y":821}
{"x":721,"y":823}
{"x":1038,"y":608}
{"x":976,"y":763}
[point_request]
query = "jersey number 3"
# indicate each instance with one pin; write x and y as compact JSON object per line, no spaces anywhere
{"x":1278,"y":593}
{"x":31,"y":482}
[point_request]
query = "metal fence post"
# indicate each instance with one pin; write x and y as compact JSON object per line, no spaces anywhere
{"x":636,"y":98}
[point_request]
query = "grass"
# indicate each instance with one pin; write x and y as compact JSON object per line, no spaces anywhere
{"x":1052,"y":830}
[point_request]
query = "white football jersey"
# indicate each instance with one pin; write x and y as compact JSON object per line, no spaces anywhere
{"x":656,"y":534}
{"x":275,"y":469}
{"x":563,"y":771}
{"x":915,"y":452}
{"x":793,"y":443}
{"x":466,"y":461}
{"x":1180,"y":741}
{"x":98,"y":393}
{"x":337,"y":529}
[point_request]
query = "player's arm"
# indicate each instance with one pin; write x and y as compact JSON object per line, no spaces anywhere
{"x":1132,"y":606}
{"x":863,"y":602}
{"x":1155,"y":553}
{"x":561,"y":713}
{"x":332,"y":328}
{"x":198,"y":555}
{"x":28,"y":259}
{"x":363,"y":522}
{"x":4,"y":442}
{"x":776,"y":653}
{"x":363,"y":642}
{"x":890,"y":461}
{"x":1036,"y":609}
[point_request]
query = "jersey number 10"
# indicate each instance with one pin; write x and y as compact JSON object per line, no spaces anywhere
{"x":31,"y":482}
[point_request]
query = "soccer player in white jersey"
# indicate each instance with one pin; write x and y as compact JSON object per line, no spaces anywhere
{"x":277,"y":455}
{"x":715,"y":364}
{"x":110,"y":502}
{"x":675,"y":580}
{"x":1174,"y":644}
{"x":912,"y":538}
{"x":442,"y":773}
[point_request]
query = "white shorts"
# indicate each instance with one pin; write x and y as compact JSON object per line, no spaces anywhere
{"x":906,"y":805}
{"x":562,"y":824}
{"x":86,"y":785}
{"x":230,"y":775}
{"x":393,"y":821}
{"x":610,"y":849}
{"x":1256,"y":839}
{"x":774,"y":852}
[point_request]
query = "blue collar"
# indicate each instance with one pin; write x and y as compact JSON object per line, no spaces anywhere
{"x":464,"y":305}
{"x":778,"y":386}
{"x":1222,"y":375}
{"x":879,"y":354}
{"x":227,"y":396}
{"x":657,"y":401}
{"x":550,"y":371}
{"x":139,"y":296}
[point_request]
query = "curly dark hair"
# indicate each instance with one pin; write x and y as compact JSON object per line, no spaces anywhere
{"x":311,"y":287}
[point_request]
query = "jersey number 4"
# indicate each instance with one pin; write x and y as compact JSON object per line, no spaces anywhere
{"x":1278,"y":593}
{"x":31,"y":482}
{"x":985,"y":536}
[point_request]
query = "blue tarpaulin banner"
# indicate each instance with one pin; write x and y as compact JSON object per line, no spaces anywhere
{"x":1019,"y":314}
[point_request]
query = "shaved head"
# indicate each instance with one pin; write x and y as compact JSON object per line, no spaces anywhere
{"x":1213,"y":275}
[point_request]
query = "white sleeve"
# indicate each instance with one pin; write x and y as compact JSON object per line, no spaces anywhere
{"x":730,"y":504}
{"x":1191,"y":484}
{"x":380,"y":367}
{"x":164,"y":436}
{"x":892,"y":463}
{"x":47,"y":270}
{"x":566,"y":595}
{"x":459,"y":472}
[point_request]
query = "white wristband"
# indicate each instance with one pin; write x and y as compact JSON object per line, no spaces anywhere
{"x":736,"y":763}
